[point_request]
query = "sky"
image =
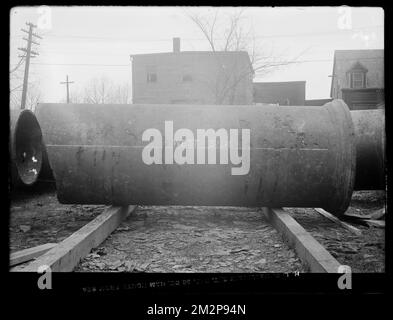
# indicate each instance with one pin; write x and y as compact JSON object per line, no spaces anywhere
{"x":91,"y":42}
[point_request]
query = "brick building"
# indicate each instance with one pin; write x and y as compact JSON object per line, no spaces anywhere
{"x":358,"y":78}
{"x":192,"y":77}
{"x":290,"y":93}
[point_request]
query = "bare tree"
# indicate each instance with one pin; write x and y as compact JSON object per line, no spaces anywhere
{"x":75,"y":96}
{"x":16,"y":74}
{"x":16,"y":77}
{"x":32,"y":98}
{"x":121,"y":94}
{"x":17,"y":66}
{"x":96,"y":91}
{"x":232,"y":32}
{"x":101,"y":90}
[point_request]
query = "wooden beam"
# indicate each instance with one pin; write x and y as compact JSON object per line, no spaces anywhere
{"x":375,"y":223}
{"x":376,"y":215}
{"x":67,"y":254}
{"x":336,"y":220}
{"x":310,"y":251}
{"x":355,"y":216}
{"x":29,"y":254}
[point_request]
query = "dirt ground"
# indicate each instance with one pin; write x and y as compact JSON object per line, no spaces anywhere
{"x":36,"y":217}
{"x":364,"y":253}
{"x":193,"y":239}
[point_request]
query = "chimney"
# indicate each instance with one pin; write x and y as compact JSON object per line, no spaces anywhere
{"x":176,"y":45}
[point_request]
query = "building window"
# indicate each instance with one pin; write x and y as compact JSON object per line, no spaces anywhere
{"x":187,"y":78}
{"x":151,"y":74}
{"x":151,"y":77}
{"x":357,"y":76}
{"x":357,"y":80}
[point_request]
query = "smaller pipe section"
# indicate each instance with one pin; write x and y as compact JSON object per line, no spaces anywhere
{"x":369,"y":128}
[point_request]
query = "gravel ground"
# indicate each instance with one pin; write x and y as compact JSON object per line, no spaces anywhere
{"x":194,"y":239}
{"x":36,"y":217}
{"x":363,"y":253}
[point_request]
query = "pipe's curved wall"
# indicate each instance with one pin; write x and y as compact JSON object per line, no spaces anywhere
{"x":25,"y":147}
{"x":299,"y":156}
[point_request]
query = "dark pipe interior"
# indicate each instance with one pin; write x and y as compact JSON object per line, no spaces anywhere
{"x":28,"y":148}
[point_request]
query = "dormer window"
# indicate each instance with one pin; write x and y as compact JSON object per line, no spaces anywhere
{"x":357,"y":76}
{"x":358,"y":80}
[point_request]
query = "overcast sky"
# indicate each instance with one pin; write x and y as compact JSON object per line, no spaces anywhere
{"x":89,"y":42}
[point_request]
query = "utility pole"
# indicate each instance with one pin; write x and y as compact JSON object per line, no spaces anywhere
{"x":28,"y":54}
{"x":68,"y":89}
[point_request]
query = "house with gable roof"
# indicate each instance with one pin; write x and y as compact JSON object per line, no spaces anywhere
{"x":358,"y":78}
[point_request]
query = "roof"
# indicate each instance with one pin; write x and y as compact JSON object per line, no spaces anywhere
{"x":193,"y":52}
{"x":358,"y":54}
{"x":243,"y":54}
{"x":369,"y":59}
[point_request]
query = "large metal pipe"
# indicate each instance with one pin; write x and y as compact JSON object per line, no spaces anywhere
{"x":370,"y":145}
{"x":370,"y":149}
{"x":25,"y":148}
{"x":299,"y":156}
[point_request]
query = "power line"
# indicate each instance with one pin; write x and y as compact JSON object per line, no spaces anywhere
{"x":81,"y":52}
{"x":127,"y":65}
{"x":311,"y":34}
{"x":82,"y":64}
{"x":124,"y":54}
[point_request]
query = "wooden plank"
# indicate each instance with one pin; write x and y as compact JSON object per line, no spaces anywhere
{"x":376,"y":215}
{"x":375,"y":223}
{"x":336,"y":220}
{"x":67,"y":254}
{"x":309,"y":250}
{"x":355,"y":216}
{"x":30,"y":253}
